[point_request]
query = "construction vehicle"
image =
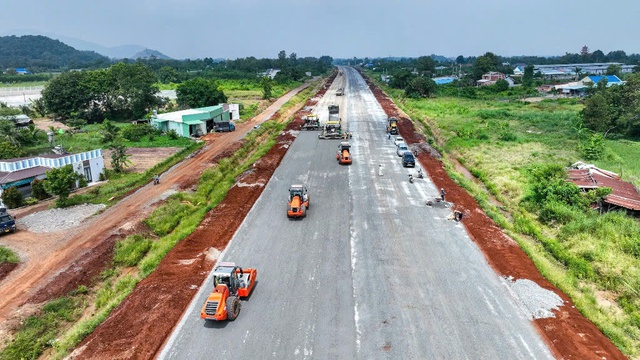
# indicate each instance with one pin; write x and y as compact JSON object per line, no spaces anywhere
{"x":344,"y":153}
{"x":392,"y":126}
{"x":230,"y":283}
{"x":311,"y":122}
{"x":298,"y":201}
{"x":334,"y":113}
{"x":332,"y":129}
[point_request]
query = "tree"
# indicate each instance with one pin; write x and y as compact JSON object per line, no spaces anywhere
{"x":12,"y":197}
{"x":66,"y":93}
{"x":460,"y":59}
{"x":266,"y":87}
{"x":38,"y":191}
{"x":401,"y":79}
{"x":484,"y":64}
{"x":527,"y":78}
{"x":9,"y":150}
{"x":617,"y":55}
{"x":119,"y":157}
{"x":420,"y":87}
{"x":425,"y":64}
{"x":598,"y":56}
{"x":76,"y":124}
{"x":59,"y":182}
{"x":502,"y":85}
{"x":108,"y":132}
{"x":199,"y":92}
{"x":39,"y":107}
{"x":614,"y":70}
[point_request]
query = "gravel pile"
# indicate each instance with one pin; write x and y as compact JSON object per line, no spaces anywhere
{"x":537,"y":301}
{"x":58,"y":219}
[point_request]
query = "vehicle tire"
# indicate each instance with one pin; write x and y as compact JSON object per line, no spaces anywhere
{"x":233,"y":307}
{"x":304,"y":211}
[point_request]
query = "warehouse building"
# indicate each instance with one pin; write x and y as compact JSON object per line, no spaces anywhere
{"x":193,"y":122}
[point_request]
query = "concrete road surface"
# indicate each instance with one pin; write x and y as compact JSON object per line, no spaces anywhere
{"x":371,"y":273}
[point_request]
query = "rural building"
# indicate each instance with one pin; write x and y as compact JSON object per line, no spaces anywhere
{"x":443,"y":80}
{"x":623,"y":194}
{"x":18,"y":120}
{"x":22,"y":71}
{"x":192,"y":122}
{"x":490,"y":78}
{"x":21,"y":172}
{"x":568,"y":71}
{"x":578,"y":88}
{"x":270,"y":73}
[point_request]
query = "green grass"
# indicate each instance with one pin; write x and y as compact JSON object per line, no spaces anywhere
{"x":6,"y":255}
{"x":586,"y":257}
{"x":39,"y":332}
{"x":22,"y":84}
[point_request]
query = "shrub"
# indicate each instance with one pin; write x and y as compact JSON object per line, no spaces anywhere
{"x":82,"y":181}
{"x":508,"y":135}
{"x":131,"y":250}
{"x":555,"y":211}
{"x":38,"y":191}
{"x":173,"y":135}
{"x":12,"y":197}
{"x":136,"y":132}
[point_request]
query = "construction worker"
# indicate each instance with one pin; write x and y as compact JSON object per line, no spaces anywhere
{"x":156,"y":179}
{"x":442,"y":193}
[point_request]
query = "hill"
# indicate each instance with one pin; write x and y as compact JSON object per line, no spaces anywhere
{"x":150,"y":54}
{"x":43,"y":53}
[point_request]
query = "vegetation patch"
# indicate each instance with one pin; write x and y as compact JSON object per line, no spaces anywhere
{"x":8,"y":256}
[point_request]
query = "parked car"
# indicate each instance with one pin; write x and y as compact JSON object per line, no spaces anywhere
{"x":402,"y":148}
{"x":7,"y":222}
{"x":408,"y":160}
{"x":398,"y":140}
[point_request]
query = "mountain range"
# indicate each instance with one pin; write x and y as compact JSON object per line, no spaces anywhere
{"x":127,"y":51}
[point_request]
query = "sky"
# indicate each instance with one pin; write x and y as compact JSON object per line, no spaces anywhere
{"x":339,"y":28}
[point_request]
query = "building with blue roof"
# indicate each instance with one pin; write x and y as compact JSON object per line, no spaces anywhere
{"x":444,"y":80}
{"x":22,"y":71}
{"x":611,"y":79}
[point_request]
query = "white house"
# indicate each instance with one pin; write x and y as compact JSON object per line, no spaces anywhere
{"x":21,"y":172}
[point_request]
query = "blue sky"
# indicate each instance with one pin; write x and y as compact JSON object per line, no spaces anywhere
{"x":340,"y":28}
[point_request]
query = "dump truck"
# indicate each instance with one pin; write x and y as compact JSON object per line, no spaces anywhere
{"x":334,"y":113}
{"x":224,"y":126}
{"x":230,"y":283}
{"x":392,"y":126}
{"x":298,"y":201}
{"x":311,"y":122}
{"x":344,"y":153}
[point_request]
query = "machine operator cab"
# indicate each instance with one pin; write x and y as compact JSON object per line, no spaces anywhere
{"x":299,"y":190}
{"x":227,"y":273}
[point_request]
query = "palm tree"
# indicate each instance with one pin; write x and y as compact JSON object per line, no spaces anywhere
{"x":578,"y":71}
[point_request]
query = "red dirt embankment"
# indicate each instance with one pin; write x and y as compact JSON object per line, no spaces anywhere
{"x":139,"y":326}
{"x":569,"y":335}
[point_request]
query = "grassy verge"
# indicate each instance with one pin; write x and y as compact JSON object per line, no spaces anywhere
{"x":121,"y":184}
{"x":593,"y":258}
{"x":6,"y":255}
{"x":137,"y":256}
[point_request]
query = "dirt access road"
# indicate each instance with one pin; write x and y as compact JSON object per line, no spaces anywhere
{"x":58,"y":262}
